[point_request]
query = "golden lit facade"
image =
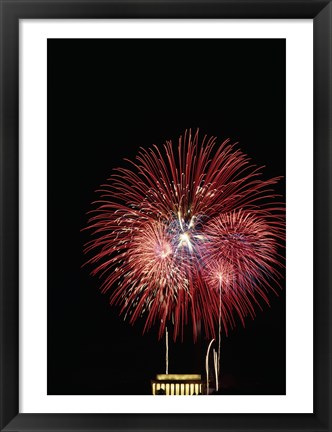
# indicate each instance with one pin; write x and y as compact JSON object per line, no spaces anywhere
{"x":177,"y":385}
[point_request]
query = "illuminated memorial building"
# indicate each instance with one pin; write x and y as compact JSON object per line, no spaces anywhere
{"x":177,"y":385}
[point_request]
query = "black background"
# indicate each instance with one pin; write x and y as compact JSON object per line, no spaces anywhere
{"x":106,"y":98}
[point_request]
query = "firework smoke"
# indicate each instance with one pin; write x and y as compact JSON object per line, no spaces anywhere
{"x":183,"y":226}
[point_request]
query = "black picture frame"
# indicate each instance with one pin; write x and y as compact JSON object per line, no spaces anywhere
{"x":11,"y":12}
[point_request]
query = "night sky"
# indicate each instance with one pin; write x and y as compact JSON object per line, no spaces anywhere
{"x":106,"y":98}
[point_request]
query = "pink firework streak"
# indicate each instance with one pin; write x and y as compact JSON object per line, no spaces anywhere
{"x":183,"y":228}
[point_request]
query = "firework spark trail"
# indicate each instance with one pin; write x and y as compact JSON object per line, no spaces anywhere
{"x":166,"y":228}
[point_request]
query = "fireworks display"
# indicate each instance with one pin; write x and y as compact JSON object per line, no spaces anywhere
{"x":188,"y":233}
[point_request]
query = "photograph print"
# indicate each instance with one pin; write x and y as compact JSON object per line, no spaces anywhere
{"x":166,"y":217}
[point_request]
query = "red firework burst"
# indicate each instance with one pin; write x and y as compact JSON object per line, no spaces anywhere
{"x":180,"y":229}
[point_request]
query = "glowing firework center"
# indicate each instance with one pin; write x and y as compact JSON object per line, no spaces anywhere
{"x":184,"y":233}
